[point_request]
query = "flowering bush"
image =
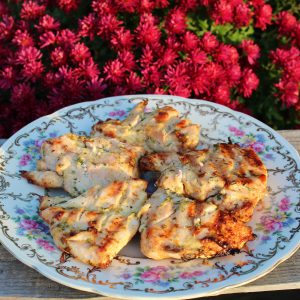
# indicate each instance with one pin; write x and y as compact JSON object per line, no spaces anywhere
{"x":243,"y":54}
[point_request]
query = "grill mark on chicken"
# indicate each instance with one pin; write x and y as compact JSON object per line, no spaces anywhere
{"x":76,"y":163}
{"x":96,"y":225}
{"x":194,"y":230}
{"x":160,"y":130}
{"x":227,"y":175}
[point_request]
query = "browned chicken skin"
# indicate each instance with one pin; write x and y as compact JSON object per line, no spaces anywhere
{"x":231,"y":177}
{"x":77,"y":163}
{"x":160,"y":130}
{"x":199,"y":210}
{"x":173,"y":226}
{"x":96,"y":225}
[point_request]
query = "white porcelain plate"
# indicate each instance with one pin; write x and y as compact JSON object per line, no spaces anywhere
{"x":276,"y":220}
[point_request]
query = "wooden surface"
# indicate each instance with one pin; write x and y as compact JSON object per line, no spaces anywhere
{"x":17,"y":281}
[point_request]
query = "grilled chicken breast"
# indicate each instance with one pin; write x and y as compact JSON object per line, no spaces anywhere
{"x":231,"y":177}
{"x":96,"y":225}
{"x":160,"y":130}
{"x":173,"y":226}
{"x":77,"y":163}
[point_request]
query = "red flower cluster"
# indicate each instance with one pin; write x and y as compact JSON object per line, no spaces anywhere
{"x":45,"y":66}
{"x":240,"y":12}
{"x":287,"y":58}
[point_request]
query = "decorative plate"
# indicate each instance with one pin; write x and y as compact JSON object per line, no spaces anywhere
{"x":276,"y":220}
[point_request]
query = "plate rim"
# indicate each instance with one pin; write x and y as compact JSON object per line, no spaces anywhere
{"x":188,"y":294}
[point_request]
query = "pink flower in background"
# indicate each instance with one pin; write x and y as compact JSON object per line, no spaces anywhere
{"x":3,"y":9}
{"x":122,"y":39}
{"x":209,"y":42}
{"x":177,"y":75}
{"x":67,"y":38}
{"x":58,"y":57}
{"x":47,"y":38}
{"x":147,"y":32}
{"x":28,"y":54}
{"x":263,"y":16}
{"x":47,"y":23}
{"x":114,"y":71}
{"x":168,"y":57}
{"x":233,"y":74}
{"x":32,"y":10}
{"x":21,"y":94}
{"x":127,"y":59}
{"x":176,"y":21}
{"x":80,"y":52}
{"x":32,"y":70}
{"x":50,"y":59}
{"x":284,"y":204}
{"x":289,"y":91}
{"x":6,"y":26}
{"x":7,"y":78}
{"x":134,"y":82}
{"x":221,"y":94}
{"x":249,"y":82}
{"x":222,"y":12}
{"x":147,"y":57}
{"x":107,"y":25}
{"x":96,"y":87}
{"x":190,"y":41}
{"x":198,"y":57}
{"x":68,"y":5}
{"x":87,"y":69}
{"x":22,"y":38}
{"x":128,"y":5}
{"x":87,"y":26}
{"x":227,"y":54}
{"x":286,"y":22}
{"x":242,"y":14}
{"x":251,"y":50}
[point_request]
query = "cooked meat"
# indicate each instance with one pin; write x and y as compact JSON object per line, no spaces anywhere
{"x":96,"y":225}
{"x":160,"y":130}
{"x":231,"y":177}
{"x":173,"y":226}
{"x":77,"y":163}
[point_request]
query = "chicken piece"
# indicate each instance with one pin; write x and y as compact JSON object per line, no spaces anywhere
{"x":173,"y":226}
{"x":231,"y":177}
{"x":160,"y":130}
{"x":96,"y":225}
{"x":77,"y":163}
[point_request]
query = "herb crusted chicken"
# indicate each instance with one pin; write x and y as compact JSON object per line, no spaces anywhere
{"x":173,"y":226}
{"x":203,"y":200}
{"x":77,"y":163}
{"x":96,"y":225}
{"x":160,"y":130}
{"x":231,"y":177}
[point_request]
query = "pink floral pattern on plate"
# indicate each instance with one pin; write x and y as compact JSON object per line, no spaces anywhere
{"x":31,"y":226}
{"x":255,"y":141}
{"x":31,"y":149}
{"x":276,"y":217}
{"x":162,"y":276}
{"x":275,"y":221}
